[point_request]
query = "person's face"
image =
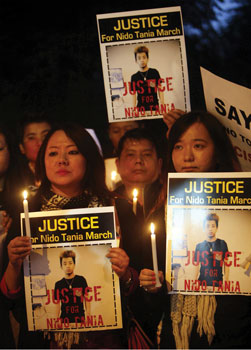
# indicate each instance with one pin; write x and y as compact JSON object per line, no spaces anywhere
{"x":211,"y":229}
{"x":138,"y":163}
{"x":194,"y":151}
{"x":65,"y":166}
{"x":4,"y":155}
{"x":68,"y":266}
{"x":34,"y":134}
{"x":117,"y":130}
{"x":142,"y":60}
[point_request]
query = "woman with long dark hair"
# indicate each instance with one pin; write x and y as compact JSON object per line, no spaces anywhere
{"x":197,"y":142}
{"x":71,"y":173}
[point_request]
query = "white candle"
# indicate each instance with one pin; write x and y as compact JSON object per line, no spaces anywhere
{"x":113,"y":178}
{"x":134,"y":201}
{"x":26,"y":214}
{"x":154,"y":253}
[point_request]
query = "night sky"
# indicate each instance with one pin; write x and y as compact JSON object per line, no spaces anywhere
{"x":50,"y":58}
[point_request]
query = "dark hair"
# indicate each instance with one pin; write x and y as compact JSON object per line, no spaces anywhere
{"x":138,"y":134}
{"x":8,"y":138}
{"x":29,"y":118}
{"x":141,"y":49}
{"x":10,"y":175}
{"x":211,"y":217}
{"x":67,"y":254}
{"x":226,"y":159}
{"x":94,"y":179}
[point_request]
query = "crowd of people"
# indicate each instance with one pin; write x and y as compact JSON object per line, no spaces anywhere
{"x":62,"y":167}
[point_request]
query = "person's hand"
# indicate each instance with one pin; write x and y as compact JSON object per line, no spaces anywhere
{"x":147,"y":280}
{"x":18,"y":249}
{"x":6,"y":221}
{"x":171,"y":117}
{"x":119,"y":260}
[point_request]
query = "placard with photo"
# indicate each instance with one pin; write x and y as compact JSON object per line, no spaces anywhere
{"x":69,"y":282}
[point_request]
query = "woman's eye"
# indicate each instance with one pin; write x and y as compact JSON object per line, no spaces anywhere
{"x":52,"y":154}
{"x":74,"y":151}
{"x":199,"y":146}
{"x":177,"y":147}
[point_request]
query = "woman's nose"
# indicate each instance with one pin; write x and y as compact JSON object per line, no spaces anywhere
{"x":63,"y":159}
{"x":188,"y":154}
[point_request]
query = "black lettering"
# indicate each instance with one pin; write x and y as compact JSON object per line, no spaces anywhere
{"x":221,"y":110}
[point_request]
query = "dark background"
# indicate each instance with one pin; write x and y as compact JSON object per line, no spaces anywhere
{"x":50,"y":57}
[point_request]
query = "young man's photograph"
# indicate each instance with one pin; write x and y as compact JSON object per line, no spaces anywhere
{"x":70,"y":291}
{"x":146,"y":82}
{"x":210,"y":254}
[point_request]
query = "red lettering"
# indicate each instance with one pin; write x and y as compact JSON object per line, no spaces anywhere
{"x":66,"y":299}
{"x":168,"y":84}
{"x":88,"y":290}
{"x":236,"y":259}
{"x":77,"y":292}
{"x":205,"y":262}
{"x":196,"y":261}
{"x":96,"y":293}
{"x":227,"y":255}
{"x":141,"y":89}
{"x":160,"y":81}
{"x":217,"y":256}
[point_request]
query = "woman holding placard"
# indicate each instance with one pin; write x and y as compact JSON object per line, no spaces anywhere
{"x":197,"y":142}
{"x":71,"y":171}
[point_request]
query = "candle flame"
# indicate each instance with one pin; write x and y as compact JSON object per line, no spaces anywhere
{"x":152,"y":227}
{"x":113,"y":175}
{"x":25,"y":194}
{"x":135,"y":193}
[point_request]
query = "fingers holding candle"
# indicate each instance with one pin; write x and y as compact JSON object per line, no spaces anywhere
{"x":148,"y":280}
{"x":18,"y":249}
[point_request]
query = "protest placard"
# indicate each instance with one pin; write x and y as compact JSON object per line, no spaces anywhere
{"x":231,"y":104}
{"x":208,"y":233}
{"x":144,"y":63}
{"x":69,"y":283}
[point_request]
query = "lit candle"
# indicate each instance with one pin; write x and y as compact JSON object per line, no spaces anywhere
{"x":26,"y":214}
{"x":134,"y":200}
{"x":154,"y":253}
{"x":113,"y":178}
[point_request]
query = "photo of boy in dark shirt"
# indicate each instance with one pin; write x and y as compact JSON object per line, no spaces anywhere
{"x":70,"y":291}
{"x":210,"y":254}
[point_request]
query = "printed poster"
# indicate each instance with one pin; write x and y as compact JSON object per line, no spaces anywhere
{"x":208,"y":233}
{"x":69,"y":283}
{"x":231,"y":104}
{"x":144,"y":63}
